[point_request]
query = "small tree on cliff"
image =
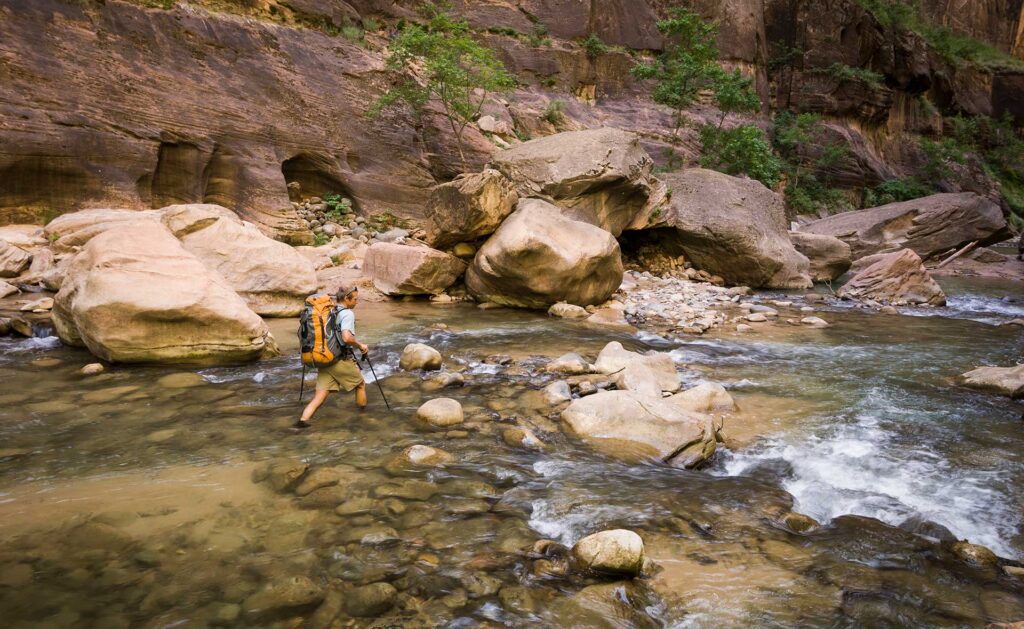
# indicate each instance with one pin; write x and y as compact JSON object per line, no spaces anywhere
{"x":441,"y":61}
{"x":688,"y":64}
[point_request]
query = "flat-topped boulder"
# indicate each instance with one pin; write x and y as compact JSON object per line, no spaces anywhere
{"x":411,"y":270}
{"x":829,"y":256}
{"x":734,"y":228}
{"x":1008,"y":381}
{"x":70,"y":231}
{"x":468,"y":208}
{"x":631,"y":425}
{"x":539,"y":257}
{"x":929,"y":226}
{"x":272,"y":277}
{"x":598,"y":176}
{"x":135,"y":295}
{"x":635,"y":370}
{"x":897,"y":279}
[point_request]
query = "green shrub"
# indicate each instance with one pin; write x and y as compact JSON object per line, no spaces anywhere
{"x":503,"y":30}
{"x":843,"y":73}
{"x":352,"y":33}
{"x":549,"y":82}
{"x":371,"y":25}
{"x":553,"y":112}
{"x":740,"y":150}
{"x":321,"y":239}
{"x":538,"y":36}
{"x":336,"y":206}
{"x":594,"y":47}
{"x":895,"y":190}
{"x":167,"y":5}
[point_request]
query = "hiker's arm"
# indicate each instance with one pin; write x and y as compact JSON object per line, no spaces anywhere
{"x":346,"y":336}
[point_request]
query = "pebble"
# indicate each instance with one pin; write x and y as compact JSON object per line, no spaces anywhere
{"x":806,"y":309}
{"x":92,"y":369}
{"x":815,"y":322}
{"x":757,"y":317}
{"x":743,"y":327}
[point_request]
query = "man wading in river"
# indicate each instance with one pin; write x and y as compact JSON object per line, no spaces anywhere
{"x":327,"y":336}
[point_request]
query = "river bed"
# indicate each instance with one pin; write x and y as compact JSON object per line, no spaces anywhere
{"x":126,"y":498}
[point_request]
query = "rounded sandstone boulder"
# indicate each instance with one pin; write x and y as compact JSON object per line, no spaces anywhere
{"x":616,"y":551}
{"x":408,"y":270}
{"x":441,"y":412}
{"x":539,"y":257}
{"x":419,"y":356}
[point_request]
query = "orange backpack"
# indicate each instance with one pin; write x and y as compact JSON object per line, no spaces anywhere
{"x":319,"y":340}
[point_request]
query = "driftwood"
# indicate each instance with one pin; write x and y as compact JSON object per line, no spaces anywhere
{"x":959,"y":253}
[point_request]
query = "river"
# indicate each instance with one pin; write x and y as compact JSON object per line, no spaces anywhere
{"x":126,"y":499}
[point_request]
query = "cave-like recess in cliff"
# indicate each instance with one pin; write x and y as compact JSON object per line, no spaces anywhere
{"x":317,"y":176}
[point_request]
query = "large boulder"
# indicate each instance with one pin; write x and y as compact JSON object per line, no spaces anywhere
{"x":68,"y":232}
{"x":1007,"y":381}
{"x":735,"y":228}
{"x":539,"y":257}
{"x":631,"y":425}
{"x":829,"y":256}
{"x":928,"y":226}
{"x":898,"y":279}
{"x":598,"y":176}
{"x":13,"y":260}
{"x":272,"y":277}
{"x":410,"y":270}
{"x":468,"y":208}
{"x":135,"y":295}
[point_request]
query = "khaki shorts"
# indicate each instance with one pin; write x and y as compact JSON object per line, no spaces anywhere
{"x":343,"y":374}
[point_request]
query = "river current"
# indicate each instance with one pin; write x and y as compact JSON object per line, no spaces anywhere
{"x":126,"y":499}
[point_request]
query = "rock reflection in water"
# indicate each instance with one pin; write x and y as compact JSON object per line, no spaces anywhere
{"x":128,"y":498}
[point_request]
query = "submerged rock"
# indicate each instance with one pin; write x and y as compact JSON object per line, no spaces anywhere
{"x":897,"y":278}
{"x":370,"y":600}
{"x":283,"y":594}
{"x":409,"y":270}
{"x":539,"y":257}
{"x":567,"y":311}
{"x":615,"y":551}
{"x":1007,"y":381}
{"x":111,"y":304}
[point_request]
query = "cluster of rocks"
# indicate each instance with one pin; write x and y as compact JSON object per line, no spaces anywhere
{"x":342,"y":221}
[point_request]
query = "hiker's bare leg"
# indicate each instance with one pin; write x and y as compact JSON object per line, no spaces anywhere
{"x":361,"y":395}
{"x":314,"y":404}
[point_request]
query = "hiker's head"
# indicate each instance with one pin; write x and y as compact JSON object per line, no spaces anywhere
{"x":348,"y":296}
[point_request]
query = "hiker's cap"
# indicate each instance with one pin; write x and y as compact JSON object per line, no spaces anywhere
{"x":345,"y":290}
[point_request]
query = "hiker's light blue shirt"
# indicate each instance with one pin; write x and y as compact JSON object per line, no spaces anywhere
{"x":347,"y":321}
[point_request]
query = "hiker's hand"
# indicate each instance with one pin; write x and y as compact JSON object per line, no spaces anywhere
{"x":364,"y":349}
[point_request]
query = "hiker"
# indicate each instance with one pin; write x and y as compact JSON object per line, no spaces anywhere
{"x":334,"y":357}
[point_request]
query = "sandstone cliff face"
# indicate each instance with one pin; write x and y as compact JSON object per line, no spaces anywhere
{"x":114,"y":104}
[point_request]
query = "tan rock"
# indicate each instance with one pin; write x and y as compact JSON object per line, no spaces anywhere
{"x":1007,"y":381}
{"x":610,"y":318}
{"x":707,"y":397}
{"x":419,"y":356}
{"x":598,"y":176}
{"x":570,"y":363}
{"x":13,"y":260}
{"x":735,"y":228}
{"x":24,"y":236}
{"x":270,"y":276}
{"x":567,"y":311}
{"x":615,"y":358}
{"x":829,"y":256}
{"x":426,"y":456}
{"x":519,"y":437}
{"x":409,"y":270}
{"x":616,"y":551}
{"x":928,"y":225}
{"x":71,"y":231}
{"x":898,"y":279}
{"x":468,"y":208}
{"x":441,"y":412}
{"x":539,"y":257}
{"x":7,"y":289}
{"x":91,"y":369}
{"x":632,"y":426}
{"x":135,"y":295}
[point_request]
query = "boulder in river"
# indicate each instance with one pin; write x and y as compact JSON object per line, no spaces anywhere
{"x":441,"y":412}
{"x":272,"y":277}
{"x":135,"y":295}
{"x":13,"y":260}
{"x":283,"y":594}
{"x":539,"y":257}
{"x":928,"y":225}
{"x":707,"y":397}
{"x":614,"y":359}
{"x":829,"y":256}
{"x":411,"y":270}
{"x":1007,"y":381}
{"x":616,"y":551}
{"x":419,"y":356}
{"x":898,"y":279}
{"x":468,"y":208}
{"x":598,"y":176}
{"x":734,"y":228}
{"x":630,"y":425}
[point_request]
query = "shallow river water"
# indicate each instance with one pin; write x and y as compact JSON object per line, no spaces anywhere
{"x":127,"y":499}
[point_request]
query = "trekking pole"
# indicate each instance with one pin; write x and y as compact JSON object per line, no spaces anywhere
{"x":303,"y":385}
{"x":366,"y":357}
